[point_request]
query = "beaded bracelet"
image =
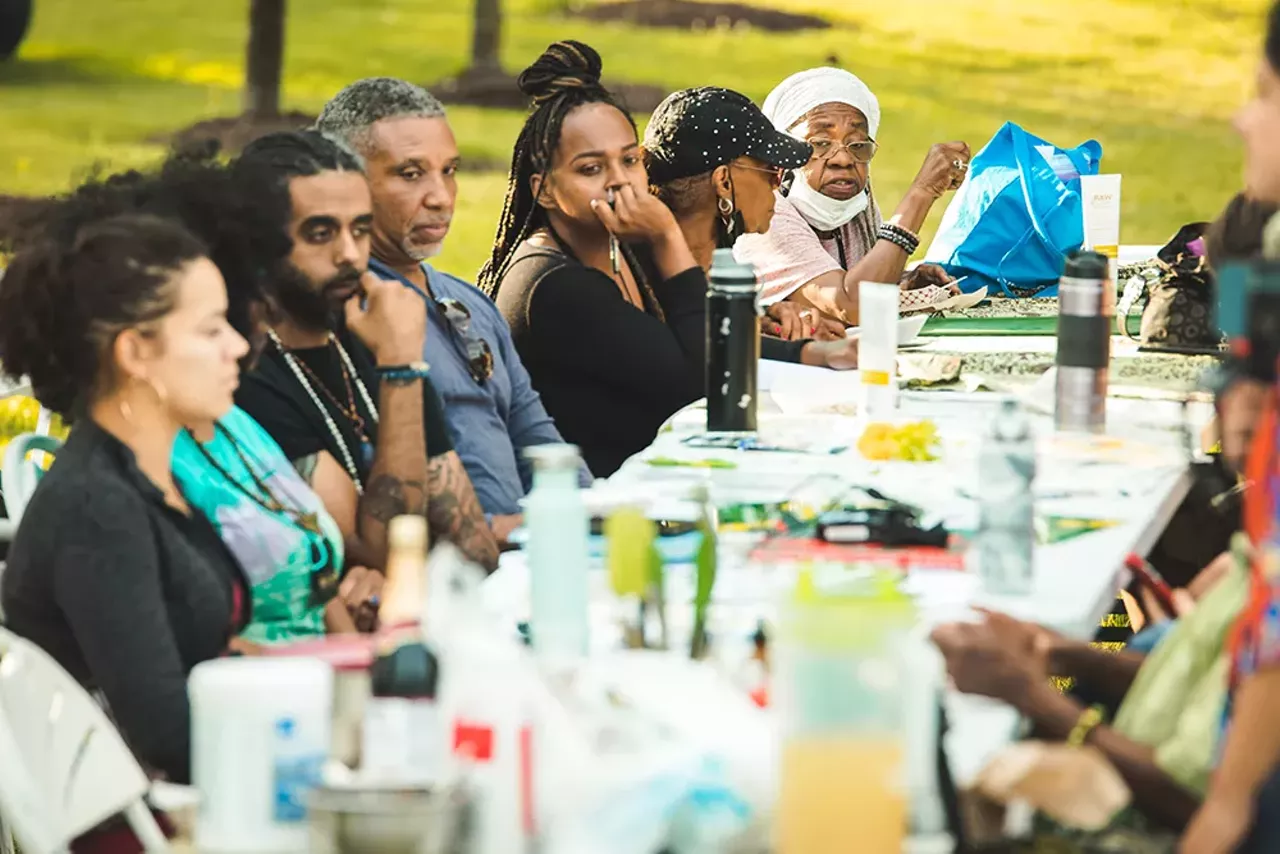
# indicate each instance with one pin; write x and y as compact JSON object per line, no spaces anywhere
{"x":901,"y":241}
{"x":404,"y":374}
{"x":902,"y":230}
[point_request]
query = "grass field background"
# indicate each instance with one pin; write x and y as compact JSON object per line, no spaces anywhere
{"x":1155,"y":81}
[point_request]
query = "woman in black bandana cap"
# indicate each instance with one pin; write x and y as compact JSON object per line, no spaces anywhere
{"x":605,"y":299}
{"x":715,"y":160}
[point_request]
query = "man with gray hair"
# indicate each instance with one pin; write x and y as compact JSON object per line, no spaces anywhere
{"x":411,"y":160}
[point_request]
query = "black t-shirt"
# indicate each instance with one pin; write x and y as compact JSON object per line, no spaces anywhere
{"x":273,"y":395}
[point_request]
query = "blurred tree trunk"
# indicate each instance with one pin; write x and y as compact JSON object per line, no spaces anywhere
{"x":486,"y":38}
{"x":265,"y":60}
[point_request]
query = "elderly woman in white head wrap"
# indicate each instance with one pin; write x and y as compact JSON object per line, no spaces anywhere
{"x":827,"y":234}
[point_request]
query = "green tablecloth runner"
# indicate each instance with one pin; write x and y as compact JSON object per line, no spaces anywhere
{"x":962,"y":325}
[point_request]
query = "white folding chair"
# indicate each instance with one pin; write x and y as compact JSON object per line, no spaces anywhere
{"x":65,"y":767}
{"x":19,"y":475}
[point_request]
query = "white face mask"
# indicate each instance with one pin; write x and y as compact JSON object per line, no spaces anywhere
{"x":823,"y":212}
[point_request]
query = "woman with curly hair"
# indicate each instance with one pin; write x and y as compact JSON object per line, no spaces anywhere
{"x":291,"y":548}
{"x":120,"y":325}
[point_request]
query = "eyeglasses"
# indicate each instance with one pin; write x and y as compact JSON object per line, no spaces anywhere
{"x":775,"y":173}
{"x":861,"y":150}
{"x":479,"y":353}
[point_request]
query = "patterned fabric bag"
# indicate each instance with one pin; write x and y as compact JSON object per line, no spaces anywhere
{"x":1175,"y":295}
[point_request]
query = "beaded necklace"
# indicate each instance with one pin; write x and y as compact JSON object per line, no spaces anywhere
{"x":348,"y":462}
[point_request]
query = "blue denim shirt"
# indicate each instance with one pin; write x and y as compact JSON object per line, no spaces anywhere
{"x":491,"y":422}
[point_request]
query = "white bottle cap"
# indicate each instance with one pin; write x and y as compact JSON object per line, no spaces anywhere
{"x":408,"y":532}
{"x":553,"y":456}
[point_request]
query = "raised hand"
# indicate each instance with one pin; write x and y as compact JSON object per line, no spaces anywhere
{"x":944,"y":168}
{"x":392,"y":322}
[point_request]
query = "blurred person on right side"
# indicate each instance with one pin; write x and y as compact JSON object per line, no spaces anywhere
{"x":1238,"y":811}
{"x":1237,"y":236}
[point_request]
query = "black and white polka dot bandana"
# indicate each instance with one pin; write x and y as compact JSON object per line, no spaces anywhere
{"x":695,"y":130}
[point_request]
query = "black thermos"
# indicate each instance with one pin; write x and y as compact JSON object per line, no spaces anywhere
{"x":733,"y":345}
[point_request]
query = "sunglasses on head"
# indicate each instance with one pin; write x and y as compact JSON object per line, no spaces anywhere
{"x":479,"y":353}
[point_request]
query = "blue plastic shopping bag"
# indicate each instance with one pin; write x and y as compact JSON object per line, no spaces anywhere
{"x":1013,"y":221}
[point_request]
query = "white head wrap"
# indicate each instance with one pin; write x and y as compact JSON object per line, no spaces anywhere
{"x":793,"y":98}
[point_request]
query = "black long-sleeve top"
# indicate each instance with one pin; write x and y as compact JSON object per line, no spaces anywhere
{"x":609,"y":373}
{"x":127,"y":593}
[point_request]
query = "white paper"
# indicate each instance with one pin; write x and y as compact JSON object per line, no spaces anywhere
{"x":805,"y":390}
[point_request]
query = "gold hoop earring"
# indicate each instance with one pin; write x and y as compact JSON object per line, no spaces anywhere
{"x":126,"y":412}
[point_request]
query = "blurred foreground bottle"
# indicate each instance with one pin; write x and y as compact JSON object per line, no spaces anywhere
{"x":558,"y":526}
{"x":838,"y":693}
{"x":1004,"y":547}
{"x":404,"y":740}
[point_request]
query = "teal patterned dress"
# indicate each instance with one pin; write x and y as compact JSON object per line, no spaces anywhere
{"x":270,"y":519}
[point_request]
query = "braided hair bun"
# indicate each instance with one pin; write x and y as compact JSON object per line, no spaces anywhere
{"x":564,"y":78}
{"x":563,"y":67}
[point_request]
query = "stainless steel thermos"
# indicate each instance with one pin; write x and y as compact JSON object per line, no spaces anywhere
{"x":1086,"y":305}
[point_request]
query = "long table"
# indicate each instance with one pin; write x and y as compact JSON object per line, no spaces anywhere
{"x":1134,"y":477}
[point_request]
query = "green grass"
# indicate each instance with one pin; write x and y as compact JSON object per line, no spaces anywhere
{"x":1155,"y":81}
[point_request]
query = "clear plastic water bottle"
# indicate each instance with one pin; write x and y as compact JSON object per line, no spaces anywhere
{"x":1006,"y":505}
{"x":558,"y":525}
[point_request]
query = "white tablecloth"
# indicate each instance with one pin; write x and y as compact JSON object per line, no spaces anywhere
{"x":1136,"y":476}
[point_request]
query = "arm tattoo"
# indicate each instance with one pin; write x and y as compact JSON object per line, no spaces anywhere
{"x":387,"y":497}
{"x":454,"y":513}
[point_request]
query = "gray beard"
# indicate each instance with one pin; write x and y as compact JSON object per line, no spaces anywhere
{"x":420,"y":253}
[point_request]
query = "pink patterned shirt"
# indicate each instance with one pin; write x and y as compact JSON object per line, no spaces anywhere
{"x":790,"y":254}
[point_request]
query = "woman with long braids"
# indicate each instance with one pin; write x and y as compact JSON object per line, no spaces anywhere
{"x":612,"y":352}
{"x":605,"y":300}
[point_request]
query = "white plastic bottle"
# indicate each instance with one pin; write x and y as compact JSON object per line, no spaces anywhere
{"x":260,"y":734}
{"x":557,"y":550}
{"x":878,"y":348}
{"x":1005,"y":545}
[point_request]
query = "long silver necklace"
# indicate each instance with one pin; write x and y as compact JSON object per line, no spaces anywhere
{"x":348,"y":461}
